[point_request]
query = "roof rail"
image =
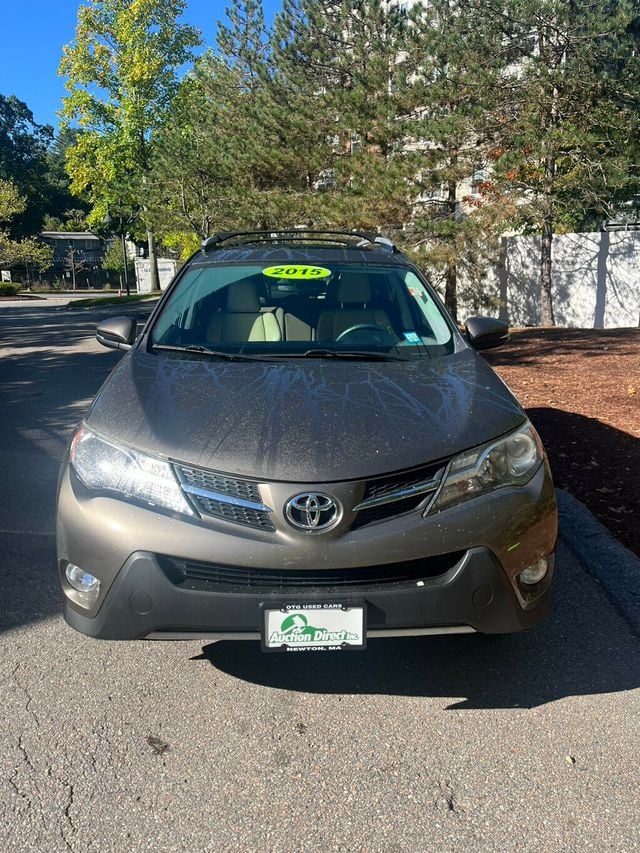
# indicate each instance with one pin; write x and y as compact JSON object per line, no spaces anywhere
{"x":363,"y":238}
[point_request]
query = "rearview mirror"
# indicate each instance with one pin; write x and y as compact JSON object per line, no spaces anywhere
{"x":486,"y":332}
{"x":117,"y":333}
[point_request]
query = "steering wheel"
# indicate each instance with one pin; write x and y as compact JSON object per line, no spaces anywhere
{"x":380,"y":334}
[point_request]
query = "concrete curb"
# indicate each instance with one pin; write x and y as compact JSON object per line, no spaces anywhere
{"x":615,"y":567}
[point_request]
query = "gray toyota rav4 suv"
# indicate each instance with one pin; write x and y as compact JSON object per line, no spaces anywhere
{"x":301,"y":448}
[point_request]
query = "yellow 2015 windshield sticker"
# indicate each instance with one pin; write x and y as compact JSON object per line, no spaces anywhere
{"x":304,"y":271}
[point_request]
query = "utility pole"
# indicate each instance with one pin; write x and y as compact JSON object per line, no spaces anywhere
{"x":122,"y":221}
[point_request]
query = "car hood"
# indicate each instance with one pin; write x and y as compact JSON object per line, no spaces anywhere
{"x":304,"y":421}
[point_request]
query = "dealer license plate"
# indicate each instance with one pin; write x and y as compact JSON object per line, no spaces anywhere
{"x":324,"y":627}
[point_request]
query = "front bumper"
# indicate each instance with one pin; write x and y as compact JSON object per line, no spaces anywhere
{"x":474,"y":594}
{"x":497,"y":535}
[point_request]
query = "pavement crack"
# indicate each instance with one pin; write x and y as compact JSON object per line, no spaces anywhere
{"x":34,"y":801}
{"x":29,"y":698}
{"x":14,"y":785}
{"x":69,"y":824}
{"x":25,"y":754}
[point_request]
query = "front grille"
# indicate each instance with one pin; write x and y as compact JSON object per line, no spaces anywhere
{"x":390,"y":510}
{"x":213,"y":577}
{"x":391,"y":487}
{"x":213,"y":482}
{"x":239,"y":501}
{"x":399,"y":482}
{"x":238,"y":514}
{"x":208,"y":490}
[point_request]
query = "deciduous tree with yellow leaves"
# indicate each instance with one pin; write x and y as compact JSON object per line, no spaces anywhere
{"x":122,"y":74}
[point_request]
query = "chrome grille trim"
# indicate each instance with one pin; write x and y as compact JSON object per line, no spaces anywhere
{"x":392,"y":497}
{"x":235,"y":514}
{"x":223,"y":484}
{"x":230,"y":499}
{"x":227,"y":499}
{"x":240,"y":501}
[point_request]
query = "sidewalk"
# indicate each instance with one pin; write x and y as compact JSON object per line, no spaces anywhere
{"x":45,"y":300}
{"x":612,"y":565}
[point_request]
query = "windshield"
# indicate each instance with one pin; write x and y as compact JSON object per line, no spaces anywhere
{"x":296,"y":309}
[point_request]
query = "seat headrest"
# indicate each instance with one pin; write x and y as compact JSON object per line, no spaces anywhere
{"x":242,"y":298}
{"x":354,"y":287}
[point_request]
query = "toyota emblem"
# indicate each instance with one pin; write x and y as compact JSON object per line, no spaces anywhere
{"x":312,"y":512}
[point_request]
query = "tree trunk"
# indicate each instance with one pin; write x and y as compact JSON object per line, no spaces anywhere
{"x":153,"y":262}
{"x":549,"y":121}
{"x":546,"y":299}
{"x":451,"y":285}
{"x":546,"y":302}
{"x":450,"y":291}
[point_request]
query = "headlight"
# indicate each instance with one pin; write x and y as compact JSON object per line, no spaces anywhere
{"x":124,"y":472}
{"x":510,"y":461}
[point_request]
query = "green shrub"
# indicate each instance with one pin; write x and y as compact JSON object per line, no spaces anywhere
{"x":7,"y":289}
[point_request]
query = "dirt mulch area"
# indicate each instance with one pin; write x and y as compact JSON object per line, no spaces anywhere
{"x":581,"y":389}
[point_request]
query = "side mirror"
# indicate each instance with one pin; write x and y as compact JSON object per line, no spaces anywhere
{"x":117,"y":333}
{"x":486,"y":332}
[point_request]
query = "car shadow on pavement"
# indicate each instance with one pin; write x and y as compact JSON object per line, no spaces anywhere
{"x":583,"y":648}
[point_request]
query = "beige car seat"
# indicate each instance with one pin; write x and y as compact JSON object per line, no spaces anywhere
{"x":242,"y":320}
{"x":354,"y":296}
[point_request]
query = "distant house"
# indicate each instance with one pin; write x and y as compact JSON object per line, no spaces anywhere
{"x":88,"y":249}
{"x":77,"y":259}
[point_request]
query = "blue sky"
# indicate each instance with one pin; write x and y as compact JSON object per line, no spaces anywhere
{"x":32,"y":35}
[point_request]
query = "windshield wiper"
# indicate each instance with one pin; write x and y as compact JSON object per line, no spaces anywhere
{"x":193,"y":349}
{"x":199,"y":350}
{"x":350,"y":354}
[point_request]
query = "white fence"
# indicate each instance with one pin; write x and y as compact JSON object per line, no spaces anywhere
{"x":595,"y":280}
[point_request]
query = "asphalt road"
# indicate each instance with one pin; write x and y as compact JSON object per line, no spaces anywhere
{"x":529,"y":742}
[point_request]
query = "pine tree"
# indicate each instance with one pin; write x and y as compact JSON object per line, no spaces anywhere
{"x":571,"y":122}
{"x":271,"y":173}
{"x":406,"y":106}
{"x":210,"y":168}
{"x":244,"y":144}
{"x":454,"y":56}
{"x":341,"y":58}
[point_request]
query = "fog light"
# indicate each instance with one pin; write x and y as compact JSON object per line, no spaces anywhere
{"x":84,"y":583}
{"x":534,"y":574}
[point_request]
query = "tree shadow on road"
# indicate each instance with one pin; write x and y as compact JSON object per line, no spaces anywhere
{"x":46,"y":380}
{"x":45,"y":387}
{"x":528,"y":346}
{"x":40,"y":408}
{"x":596,"y":463}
